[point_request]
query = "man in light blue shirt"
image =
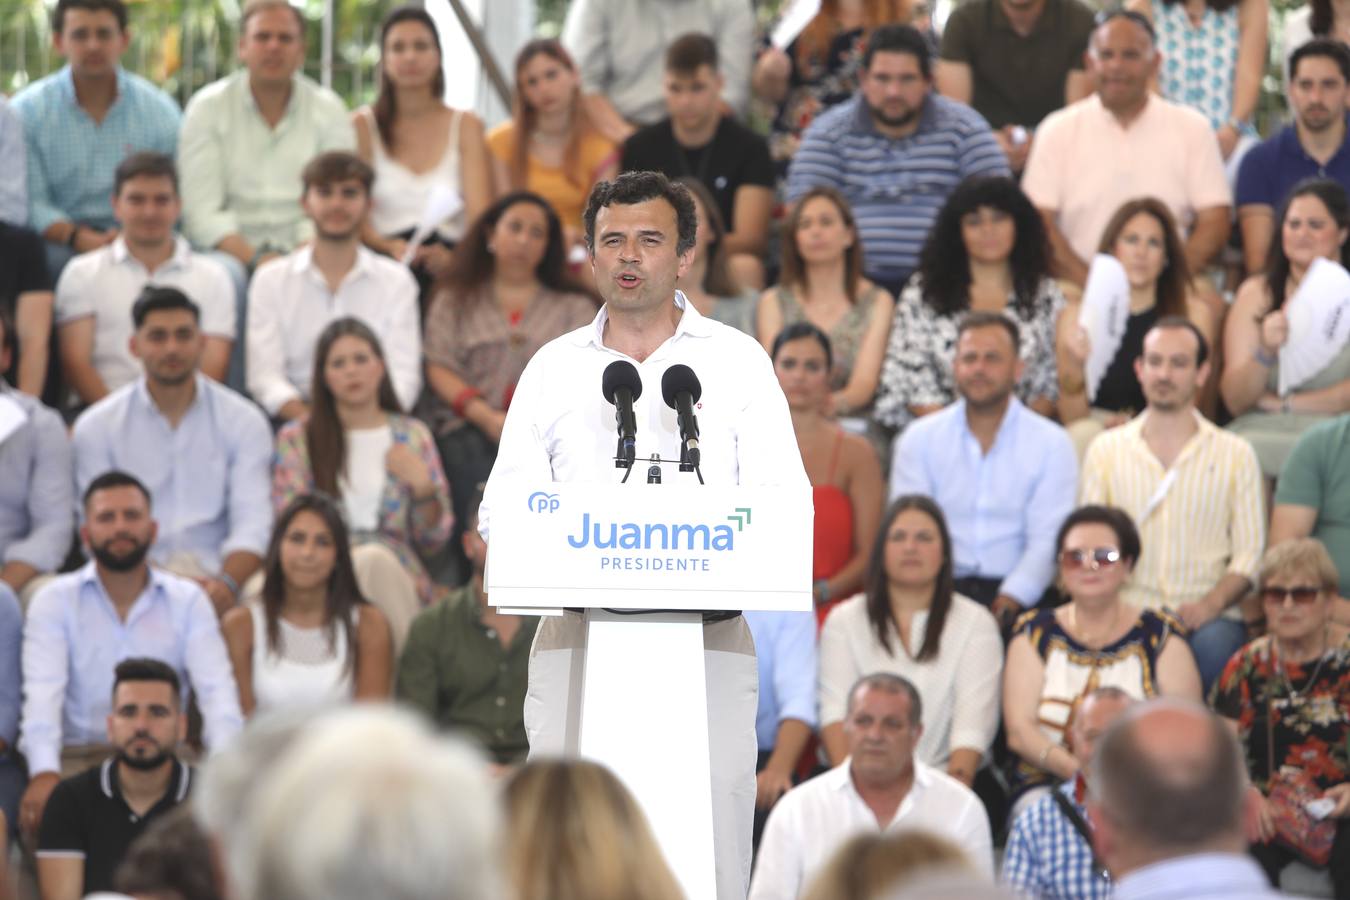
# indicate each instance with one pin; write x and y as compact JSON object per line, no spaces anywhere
{"x":204,"y":452}
{"x":1004,"y":476}
{"x":36,"y":500}
{"x":80,"y":122}
{"x":84,"y":623}
{"x":14,"y":186}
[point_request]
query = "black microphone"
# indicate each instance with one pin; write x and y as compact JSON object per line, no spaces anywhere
{"x":621,"y":385}
{"x":681,"y":390}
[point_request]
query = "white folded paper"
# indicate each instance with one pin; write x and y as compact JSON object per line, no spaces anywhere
{"x":442,"y":203}
{"x":1319,"y":323}
{"x":12,"y":416}
{"x":793,"y":22}
{"x":1104,"y":314}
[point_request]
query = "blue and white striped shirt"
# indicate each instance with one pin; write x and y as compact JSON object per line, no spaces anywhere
{"x":1047,"y":858}
{"x":72,"y":158}
{"x":896,"y":186}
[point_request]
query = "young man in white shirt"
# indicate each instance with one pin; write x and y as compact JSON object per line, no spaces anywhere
{"x":96,"y":291}
{"x":880,"y":787}
{"x":293,"y":298}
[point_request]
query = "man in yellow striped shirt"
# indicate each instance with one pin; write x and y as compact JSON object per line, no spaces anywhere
{"x":1193,"y":489}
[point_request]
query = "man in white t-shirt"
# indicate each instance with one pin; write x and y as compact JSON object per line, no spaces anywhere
{"x":880,"y":787}
{"x":96,"y":290}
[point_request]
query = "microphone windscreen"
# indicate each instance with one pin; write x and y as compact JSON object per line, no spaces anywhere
{"x":680,"y":379}
{"x":621,"y":374}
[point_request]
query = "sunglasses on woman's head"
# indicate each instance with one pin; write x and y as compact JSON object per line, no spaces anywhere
{"x":1097,"y":558}
{"x":1302,"y":595}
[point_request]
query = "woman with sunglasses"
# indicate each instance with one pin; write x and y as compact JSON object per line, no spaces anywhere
{"x":1058,"y":656}
{"x":1287,"y":695}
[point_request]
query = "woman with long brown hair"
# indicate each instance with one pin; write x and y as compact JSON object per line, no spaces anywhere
{"x":381,"y":465}
{"x":709,"y":284}
{"x":1143,"y":236}
{"x":311,"y":638}
{"x":416,"y":143}
{"x":549,"y":145}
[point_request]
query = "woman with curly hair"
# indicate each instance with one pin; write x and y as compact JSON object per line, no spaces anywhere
{"x":987,"y":252}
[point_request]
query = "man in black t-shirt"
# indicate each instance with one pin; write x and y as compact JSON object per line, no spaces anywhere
{"x":26,"y":291}
{"x":699,"y":140}
{"x":92,"y":818}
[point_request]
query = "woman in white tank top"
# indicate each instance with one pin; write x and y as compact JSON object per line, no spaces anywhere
{"x":311,"y":639}
{"x":415,"y":142}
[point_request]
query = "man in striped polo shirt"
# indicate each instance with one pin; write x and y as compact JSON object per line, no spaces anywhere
{"x":1194,"y":490}
{"x":896,"y":151}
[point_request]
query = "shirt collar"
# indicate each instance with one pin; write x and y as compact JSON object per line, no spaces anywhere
{"x":140,"y":393}
{"x":862,"y":117}
{"x":302,"y":260}
{"x":154,"y":585}
{"x":66,"y":79}
{"x":1220,"y":873}
{"x":999,"y":19}
{"x":691,"y":323}
{"x":1289,"y":143}
{"x":1010,"y":418}
{"x":182,"y":252}
{"x":180,"y":780}
{"x":1150,"y":104}
{"x":1204,"y":430}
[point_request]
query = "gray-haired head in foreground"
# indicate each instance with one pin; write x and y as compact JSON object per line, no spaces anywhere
{"x":369,"y":803}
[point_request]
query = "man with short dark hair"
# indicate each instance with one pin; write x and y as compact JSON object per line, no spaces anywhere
{"x":92,"y":818}
{"x":1313,"y":146}
{"x":640,"y":229}
{"x":1123,"y":142}
{"x":80,"y":625}
{"x":204,"y":451}
{"x":698,"y":140}
{"x":80,"y":122}
{"x":1169,"y":803}
{"x":879,"y":787}
{"x":1003,"y":475}
{"x":1015,"y":62}
{"x":1049,"y":853}
{"x":896,"y":151}
{"x":96,"y":292}
{"x":293,"y":298}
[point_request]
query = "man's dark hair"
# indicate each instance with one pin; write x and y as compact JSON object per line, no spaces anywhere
{"x":157,"y":298}
{"x":116,"y":7}
{"x":171,"y":859}
{"x":144,"y":668}
{"x":334,"y":166}
{"x":114,"y":478}
{"x":1320,"y":46}
{"x":632,"y":188}
{"x":891,"y":684}
{"x":899,"y":39}
{"x":982,"y":318}
{"x":688,"y":52}
{"x":9,"y":341}
{"x":1202,"y":345}
{"x":145,"y":164}
{"x":1177,"y":806}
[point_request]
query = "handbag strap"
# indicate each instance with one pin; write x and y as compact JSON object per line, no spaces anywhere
{"x":1081,"y":826}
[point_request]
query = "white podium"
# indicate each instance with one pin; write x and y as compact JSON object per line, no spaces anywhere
{"x":670,"y":553}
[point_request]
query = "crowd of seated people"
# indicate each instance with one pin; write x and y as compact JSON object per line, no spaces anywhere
{"x":245,"y":422}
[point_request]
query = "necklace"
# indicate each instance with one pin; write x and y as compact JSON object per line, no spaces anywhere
{"x":1296,"y":696}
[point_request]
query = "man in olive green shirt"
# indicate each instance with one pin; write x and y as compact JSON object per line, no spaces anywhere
{"x":1312,"y":497}
{"x":466,"y":666}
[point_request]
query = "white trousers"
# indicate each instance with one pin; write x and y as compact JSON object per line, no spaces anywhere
{"x":552,"y":716}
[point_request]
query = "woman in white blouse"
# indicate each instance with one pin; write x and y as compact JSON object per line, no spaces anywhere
{"x":911,"y":621}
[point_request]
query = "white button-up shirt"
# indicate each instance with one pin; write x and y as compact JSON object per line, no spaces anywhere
{"x":561,"y":428}
{"x":814,"y":819}
{"x":290,"y":304}
{"x":105,"y":283}
{"x":74,"y":639}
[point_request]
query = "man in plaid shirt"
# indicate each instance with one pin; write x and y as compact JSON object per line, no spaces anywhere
{"x":1048,"y":855}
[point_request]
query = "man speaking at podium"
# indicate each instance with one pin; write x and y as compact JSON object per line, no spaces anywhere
{"x":640,"y":231}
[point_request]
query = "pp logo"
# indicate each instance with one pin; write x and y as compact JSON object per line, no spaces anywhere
{"x":541,"y":502}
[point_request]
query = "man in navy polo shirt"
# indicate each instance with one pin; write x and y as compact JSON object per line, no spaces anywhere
{"x":92,"y":818}
{"x":896,"y":151}
{"x":1313,"y":147}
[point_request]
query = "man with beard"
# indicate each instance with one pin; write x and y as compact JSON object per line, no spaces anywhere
{"x":896,"y":150}
{"x":1313,"y":147}
{"x":82,"y":624}
{"x":204,"y":452}
{"x":93,"y":818}
{"x":95,"y":293}
{"x":1193,"y":489}
{"x":293,"y":298}
{"x":1003,"y":475}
